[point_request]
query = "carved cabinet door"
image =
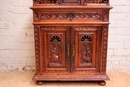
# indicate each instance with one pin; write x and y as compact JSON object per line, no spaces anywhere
{"x":55,"y":42}
{"x":86,"y":43}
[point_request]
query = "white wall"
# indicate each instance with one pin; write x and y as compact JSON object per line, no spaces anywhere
{"x":17,"y":42}
{"x":119,"y":36}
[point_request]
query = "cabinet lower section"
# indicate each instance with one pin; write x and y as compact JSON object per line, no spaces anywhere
{"x":71,"y":53}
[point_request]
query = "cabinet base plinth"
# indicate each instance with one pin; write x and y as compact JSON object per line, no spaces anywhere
{"x":99,"y":78}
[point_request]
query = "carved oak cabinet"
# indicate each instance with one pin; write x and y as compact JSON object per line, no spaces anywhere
{"x":71,"y":40}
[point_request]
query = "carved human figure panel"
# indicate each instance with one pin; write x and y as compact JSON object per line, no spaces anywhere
{"x":85,"y":49}
{"x":55,"y":50}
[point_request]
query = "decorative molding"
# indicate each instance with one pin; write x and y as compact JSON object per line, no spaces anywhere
{"x":98,"y":49}
{"x":48,"y":28}
{"x":85,"y":28}
{"x":104,"y":48}
{"x":68,"y":49}
{"x":37,"y":48}
{"x":98,"y":77}
{"x":43,"y":53}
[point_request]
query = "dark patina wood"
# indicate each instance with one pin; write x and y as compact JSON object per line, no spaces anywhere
{"x":71,"y":40}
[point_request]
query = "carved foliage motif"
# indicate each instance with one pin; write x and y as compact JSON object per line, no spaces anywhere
{"x":85,"y":49}
{"x":97,"y":1}
{"x":37,"y":48}
{"x":55,"y":50}
{"x":92,"y":15}
{"x":104,"y":48}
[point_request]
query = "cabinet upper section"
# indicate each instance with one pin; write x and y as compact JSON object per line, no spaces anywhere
{"x":71,"y":2}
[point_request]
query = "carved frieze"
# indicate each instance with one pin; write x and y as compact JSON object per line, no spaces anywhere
{"x":85,"y":15}
{"x":69,"y":1}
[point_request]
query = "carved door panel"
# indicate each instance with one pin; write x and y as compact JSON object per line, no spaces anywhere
{"x":85,"y":54}
{"x":54,"y":41}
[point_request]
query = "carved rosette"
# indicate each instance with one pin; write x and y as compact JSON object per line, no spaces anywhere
{"x":37,"y":49}
{"x":104,"y":48}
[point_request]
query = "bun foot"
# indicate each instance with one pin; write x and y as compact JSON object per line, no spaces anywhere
{"x":39,"y":82}
{"x":102,"y":83}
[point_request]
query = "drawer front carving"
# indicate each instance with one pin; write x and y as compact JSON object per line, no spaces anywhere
{"x":71,"y":16}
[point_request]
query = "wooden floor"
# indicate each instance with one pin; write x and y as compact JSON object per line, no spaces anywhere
{"x":24,"y":79}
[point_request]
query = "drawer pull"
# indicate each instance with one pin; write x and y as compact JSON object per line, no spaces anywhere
{"x":70,"y":16}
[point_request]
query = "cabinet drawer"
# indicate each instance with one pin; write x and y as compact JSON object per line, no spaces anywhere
{"x":70,"y":16}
